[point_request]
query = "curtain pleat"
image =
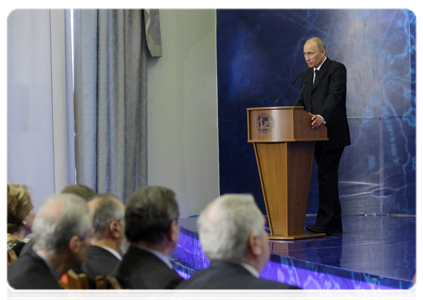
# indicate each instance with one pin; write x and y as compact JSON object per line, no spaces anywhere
{"x":103,"y":113}
{"x":112,"y":136}
{"x":85,"y":43}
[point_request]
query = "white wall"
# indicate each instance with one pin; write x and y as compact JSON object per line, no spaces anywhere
{"x":182,"y":109}
{"x":36,"y":102}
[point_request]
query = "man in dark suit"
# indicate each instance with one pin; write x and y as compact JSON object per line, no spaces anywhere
{"x":232,"y":235}
{"x":108,"y":243}
{"x":77,"y":189}
{"x":324,"y":97}
{"x":151,"y":227}
{"x":62,"y":231}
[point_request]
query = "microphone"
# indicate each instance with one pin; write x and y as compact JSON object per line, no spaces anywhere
{"x":305,"y":81}
{"x":286,"y":89}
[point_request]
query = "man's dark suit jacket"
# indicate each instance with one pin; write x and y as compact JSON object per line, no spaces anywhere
{"x":99,"y":261}
{"x":28,"y":247}
{"x":328,"y":98}
{"x":140,"y":269}
{"x":30,"y":271}
{"x":228,"y":275}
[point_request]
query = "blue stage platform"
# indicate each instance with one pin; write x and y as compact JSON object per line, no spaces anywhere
{"x":373,"y":252}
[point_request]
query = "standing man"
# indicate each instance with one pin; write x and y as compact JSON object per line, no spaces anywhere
{"x":323,"y":97}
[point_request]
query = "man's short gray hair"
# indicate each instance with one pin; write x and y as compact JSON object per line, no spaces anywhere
{"x":106,"y":211}
{"x":226,"y":224}
{"x":61,"y":217}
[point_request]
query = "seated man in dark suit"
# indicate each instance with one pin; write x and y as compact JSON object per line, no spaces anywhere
{"x":108,"y":243}
{"x":151,"y":226}
{"x":76,"y":189}
{"x":62,"y":232}
{"x":232,"y":235}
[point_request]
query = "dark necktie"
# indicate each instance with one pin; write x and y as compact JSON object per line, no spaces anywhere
{"x":315,"y":75}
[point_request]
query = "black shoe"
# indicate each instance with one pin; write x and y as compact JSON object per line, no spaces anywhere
{"x":337,"y":230}
{"x":337,"y":225}
{"x":318,"y":229}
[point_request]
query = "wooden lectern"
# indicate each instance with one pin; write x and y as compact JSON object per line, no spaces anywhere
{"x":284,"y":146}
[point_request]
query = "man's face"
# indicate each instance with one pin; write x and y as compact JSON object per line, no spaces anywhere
{"x":313,"y":56}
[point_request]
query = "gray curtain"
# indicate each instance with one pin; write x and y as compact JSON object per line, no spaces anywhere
{"x":111,"y":98}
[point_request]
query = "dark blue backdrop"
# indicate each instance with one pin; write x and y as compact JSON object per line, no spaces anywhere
{"x":259,"y":53}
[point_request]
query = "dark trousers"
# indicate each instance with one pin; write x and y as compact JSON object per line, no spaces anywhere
{"x":329,"y":213}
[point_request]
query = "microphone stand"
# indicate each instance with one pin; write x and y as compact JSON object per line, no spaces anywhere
{"x":301,"y":90}
{"x":286,"y":89}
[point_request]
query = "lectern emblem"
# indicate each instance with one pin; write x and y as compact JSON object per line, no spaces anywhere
{"x":265,"y":122}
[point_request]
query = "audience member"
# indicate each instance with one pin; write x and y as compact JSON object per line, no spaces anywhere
{"x":151,"y":226}
{"x":20,"y":216}
{"x":80,"y":190}
{"x":232,"y":235}
{"x":62,"y":231}
{"x":108,"y":243}
{"x":75,"y":189}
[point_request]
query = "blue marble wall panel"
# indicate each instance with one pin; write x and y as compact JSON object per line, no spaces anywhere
{"x":259,"y":53}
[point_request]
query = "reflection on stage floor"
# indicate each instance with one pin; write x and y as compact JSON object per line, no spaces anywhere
{"x":373,"y":252}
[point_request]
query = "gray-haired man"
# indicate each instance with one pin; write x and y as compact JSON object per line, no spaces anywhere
{"x":232,"y":235}
{"x":108,"y":243}
{"x":62,"y":231}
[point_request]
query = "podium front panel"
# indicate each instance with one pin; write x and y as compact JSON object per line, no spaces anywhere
{"x":282,"y":124}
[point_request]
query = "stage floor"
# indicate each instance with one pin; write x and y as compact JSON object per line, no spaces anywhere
{"x":373,"y":252}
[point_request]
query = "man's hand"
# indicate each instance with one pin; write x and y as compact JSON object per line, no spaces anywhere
{"x":316,"y":121}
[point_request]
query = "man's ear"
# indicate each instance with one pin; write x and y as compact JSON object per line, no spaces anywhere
{"x":173,"y":233}
{"x":254,"y":244}
{"x":74,"y":244}
{"x":114,"y":229}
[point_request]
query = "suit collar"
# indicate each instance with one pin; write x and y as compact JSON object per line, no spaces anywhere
{"x":93,"y":248}
{"x":322,"y":72}
{"x":325,"y":64}
{"x":227,"y":264}
{"x":158,"y":255}
{"x":318,"y":68}
{"x":253,"y":271}
{"x":49,"y":264}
